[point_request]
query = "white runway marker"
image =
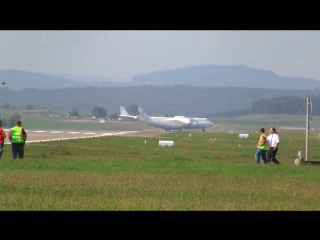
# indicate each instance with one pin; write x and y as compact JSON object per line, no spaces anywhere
{"x":38,"y":131}
{"x":73,"y":132}
{"x":56,"y":132}
{"x":89,"y":133}
{"x":120,"y":133}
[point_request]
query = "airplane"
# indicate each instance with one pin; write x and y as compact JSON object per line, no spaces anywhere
{"x":169,"y":123}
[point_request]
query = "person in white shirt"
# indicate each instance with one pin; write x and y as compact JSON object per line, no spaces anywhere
{"x":273,"y":141}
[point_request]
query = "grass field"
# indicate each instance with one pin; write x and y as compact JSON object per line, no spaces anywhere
{"x":207,"y":171}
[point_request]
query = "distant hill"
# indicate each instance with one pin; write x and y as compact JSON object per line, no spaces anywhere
{"x":224,"y":76}
{"x":19,"y":80}
{"x":201,"y":76}
{"x":198,"y":90}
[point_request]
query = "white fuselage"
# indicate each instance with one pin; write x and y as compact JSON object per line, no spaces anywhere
{"x":169,"y":123}
{"x":177,"y":122}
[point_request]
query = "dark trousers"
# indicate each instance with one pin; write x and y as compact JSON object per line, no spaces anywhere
{"x":17,"y":149}
{"x":1,"y":149}
{"x":271,"y":155}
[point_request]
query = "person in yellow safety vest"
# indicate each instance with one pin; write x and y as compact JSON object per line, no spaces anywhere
{"x":262,"y":147}
{"x":17,"y":137}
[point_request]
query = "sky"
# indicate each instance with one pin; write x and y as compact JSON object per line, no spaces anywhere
{"x":124,"y":54}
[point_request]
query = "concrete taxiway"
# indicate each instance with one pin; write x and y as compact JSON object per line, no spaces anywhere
{"x":57,"y":135}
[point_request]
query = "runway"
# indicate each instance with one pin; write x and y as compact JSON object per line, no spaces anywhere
{"x":34,"y":136}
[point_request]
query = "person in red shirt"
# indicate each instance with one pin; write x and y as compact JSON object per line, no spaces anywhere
{"x":2,"y":137}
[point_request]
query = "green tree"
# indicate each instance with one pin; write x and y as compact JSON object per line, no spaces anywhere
{"x":4,"y":122}
{"x":6,"y":106}
{"x":133,"y":110}
{"x":11,"y":122}
{"x":114,"y":115}
{"x":74,"y":114}
{"x":99,"y":112}
{"x":29,"y":107}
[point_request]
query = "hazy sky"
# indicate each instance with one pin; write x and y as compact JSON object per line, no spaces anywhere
{"x":123,"y":54}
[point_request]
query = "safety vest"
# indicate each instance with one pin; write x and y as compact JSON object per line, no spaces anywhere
{"x":265,"y":146}
{"x":16,"y":135}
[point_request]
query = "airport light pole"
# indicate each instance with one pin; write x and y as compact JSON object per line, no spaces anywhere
{"x":308,"y":124}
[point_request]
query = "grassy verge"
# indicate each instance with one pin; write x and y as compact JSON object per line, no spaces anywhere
{"x":125,"y":173}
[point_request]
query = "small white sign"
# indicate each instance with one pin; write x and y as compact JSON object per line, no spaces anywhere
{"x":165,"y":143}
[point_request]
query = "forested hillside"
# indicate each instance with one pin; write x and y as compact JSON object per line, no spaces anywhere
{"x":173,"y":100}
{"x":285,"y":105}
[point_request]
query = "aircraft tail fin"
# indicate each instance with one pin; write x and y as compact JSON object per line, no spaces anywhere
{"x":123,"y":111}
{"x":142,"y":112}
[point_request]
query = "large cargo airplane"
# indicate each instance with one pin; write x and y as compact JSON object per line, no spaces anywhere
{"x":169,"y":123}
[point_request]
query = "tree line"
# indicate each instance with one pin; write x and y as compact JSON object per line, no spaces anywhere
{"x":287,"y":105}
{"x":7,"y":106}
{"x":97,"y":112}
{"x":155,"y":100}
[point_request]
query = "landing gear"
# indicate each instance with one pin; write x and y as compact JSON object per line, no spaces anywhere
{"x":173,"y":130}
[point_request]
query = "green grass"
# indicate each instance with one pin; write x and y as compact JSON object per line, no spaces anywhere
{"x":124,"y":173}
